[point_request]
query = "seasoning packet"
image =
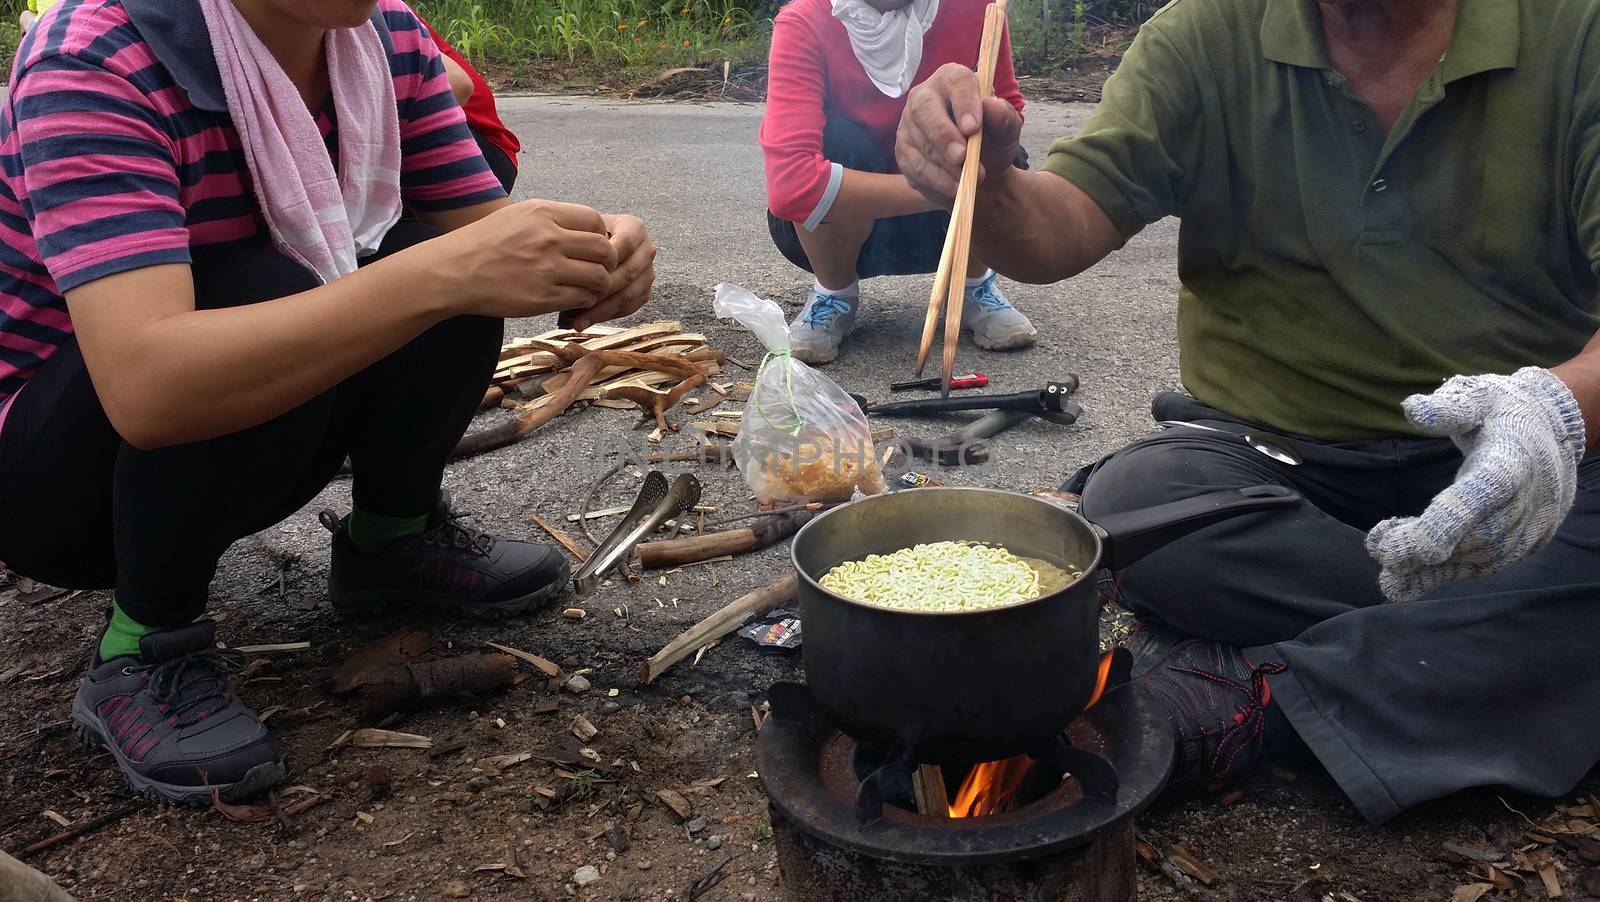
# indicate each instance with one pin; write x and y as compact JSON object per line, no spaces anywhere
{"x":780,"y":632}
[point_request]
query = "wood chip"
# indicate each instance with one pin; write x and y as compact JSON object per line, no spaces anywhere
{"x":675,"y":800}
{"x":574,"y":613}
{"x":549,"y":667}
{"x":583,"y":729}
{"x":603,"y":512}
{"x":1552,"y":885}
{"x":561,"y":538}
{"x":274,"y":649}
{"x":58,"y":817}
{"x":341,"y":740}
{"x":395,"y":842}
{"x":501,"y":762}
{"x":371,"y":738}
{"x":546,"y":706}
{"x":1185,"y":861}
{"x":364,"y":817}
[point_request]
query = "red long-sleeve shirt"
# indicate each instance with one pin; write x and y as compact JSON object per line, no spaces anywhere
{"x":812,"y":75}
{"x":480,"y":109}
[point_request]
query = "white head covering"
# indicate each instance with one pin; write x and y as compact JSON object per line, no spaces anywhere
{"x":888,"y":45}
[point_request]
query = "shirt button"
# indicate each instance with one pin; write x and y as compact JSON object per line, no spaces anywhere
{"x":1380,"y":185}
{"x":1358,"y":125}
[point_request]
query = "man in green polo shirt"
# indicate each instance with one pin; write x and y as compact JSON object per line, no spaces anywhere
{"x":1390,"y":233}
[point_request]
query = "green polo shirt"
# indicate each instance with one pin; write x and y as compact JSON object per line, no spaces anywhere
{"x":1329,"y":270}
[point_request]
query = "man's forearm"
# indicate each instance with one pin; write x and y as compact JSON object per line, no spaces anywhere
{"x":1582,"y":376}
{"x":1037,"y":227}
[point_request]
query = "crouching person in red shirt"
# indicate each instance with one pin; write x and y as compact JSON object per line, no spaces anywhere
{"x":838,"y":207}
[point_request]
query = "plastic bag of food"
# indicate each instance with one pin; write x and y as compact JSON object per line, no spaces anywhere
{"x":802,"y":438}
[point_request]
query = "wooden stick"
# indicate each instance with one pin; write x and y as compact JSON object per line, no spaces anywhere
{"x":88,"y":826}
{"x":945,"y":277}
{"x":966,"y":196}
{"x":933,"y":799}
{"x":565,"y":540}
{"x":936,"y":300}
{"x":775,"y":594}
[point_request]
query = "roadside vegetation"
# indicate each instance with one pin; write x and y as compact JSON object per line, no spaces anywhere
{"x":615,"y":41}
{"x":1048,"y":36}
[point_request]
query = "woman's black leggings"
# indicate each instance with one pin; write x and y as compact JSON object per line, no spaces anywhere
{"x":81,"y":508}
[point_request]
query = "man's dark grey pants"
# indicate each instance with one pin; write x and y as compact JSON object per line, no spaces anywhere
{"x":1492,"y":682}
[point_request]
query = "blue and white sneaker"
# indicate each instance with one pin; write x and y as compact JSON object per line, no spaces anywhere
{"x":824,"y":322}
{"x":995,"y":324}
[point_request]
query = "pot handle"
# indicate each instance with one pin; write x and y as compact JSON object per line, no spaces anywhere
{"x":1129,"y":536}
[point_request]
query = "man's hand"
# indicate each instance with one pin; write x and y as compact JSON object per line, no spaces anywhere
{"x":631,"y":281}
{"x":1522,"y":436}
{"x":941,"y":113}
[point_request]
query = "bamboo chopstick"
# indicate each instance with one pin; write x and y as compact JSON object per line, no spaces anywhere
{"x":949,"y":283}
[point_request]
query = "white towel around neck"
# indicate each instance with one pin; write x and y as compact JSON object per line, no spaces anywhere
{"x":888,"y":45}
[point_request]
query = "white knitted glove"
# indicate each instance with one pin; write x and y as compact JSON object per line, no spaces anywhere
{"x":1522,"y":436}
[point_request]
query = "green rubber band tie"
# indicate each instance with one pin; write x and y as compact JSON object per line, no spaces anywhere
{"x":788,"y":387}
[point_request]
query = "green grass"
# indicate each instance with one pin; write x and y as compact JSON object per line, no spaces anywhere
{"x":10,"y":35}
{"x":1050,"y":35}
{"x":624,"y":33}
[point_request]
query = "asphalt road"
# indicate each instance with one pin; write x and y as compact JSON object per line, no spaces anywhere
{"x":693,"y":172}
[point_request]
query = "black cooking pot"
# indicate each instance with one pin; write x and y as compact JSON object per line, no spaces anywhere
{"x":964,"y":686}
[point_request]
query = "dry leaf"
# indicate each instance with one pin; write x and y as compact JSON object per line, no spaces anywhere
{"x":674,"y":800}
{"x":1470,"y":892}
{"x":396,"y":648}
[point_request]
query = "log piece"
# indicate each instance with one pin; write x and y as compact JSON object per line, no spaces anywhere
{"x":676,"y":552}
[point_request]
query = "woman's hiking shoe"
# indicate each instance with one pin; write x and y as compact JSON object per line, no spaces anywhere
{"x":1218,"y":701}
{"x":995,"y":324}
{"x":826,"y":319}
{"x":450,"y":566}
{"x":175,"y":729}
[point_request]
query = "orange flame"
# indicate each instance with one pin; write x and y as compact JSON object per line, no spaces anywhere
{"x":991,"y":787}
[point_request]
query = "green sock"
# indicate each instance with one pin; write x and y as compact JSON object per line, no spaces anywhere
{"x":370,"y":532}
{"x":122,"y":634}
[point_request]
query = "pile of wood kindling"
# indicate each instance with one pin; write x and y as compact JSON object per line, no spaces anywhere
{"x":651,"y":367}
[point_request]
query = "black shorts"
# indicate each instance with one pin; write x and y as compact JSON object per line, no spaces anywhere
{"x":899,"y":245}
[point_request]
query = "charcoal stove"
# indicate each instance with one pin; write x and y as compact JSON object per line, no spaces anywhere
{"x":847,"y":828}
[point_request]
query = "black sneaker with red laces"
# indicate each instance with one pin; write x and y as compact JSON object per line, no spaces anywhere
{"x":1219,"y":701}
{"x":450,"y":566}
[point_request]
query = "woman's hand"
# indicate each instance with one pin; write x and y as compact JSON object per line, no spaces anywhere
{"x":630,"y":284}
{"x":531,"y":258}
